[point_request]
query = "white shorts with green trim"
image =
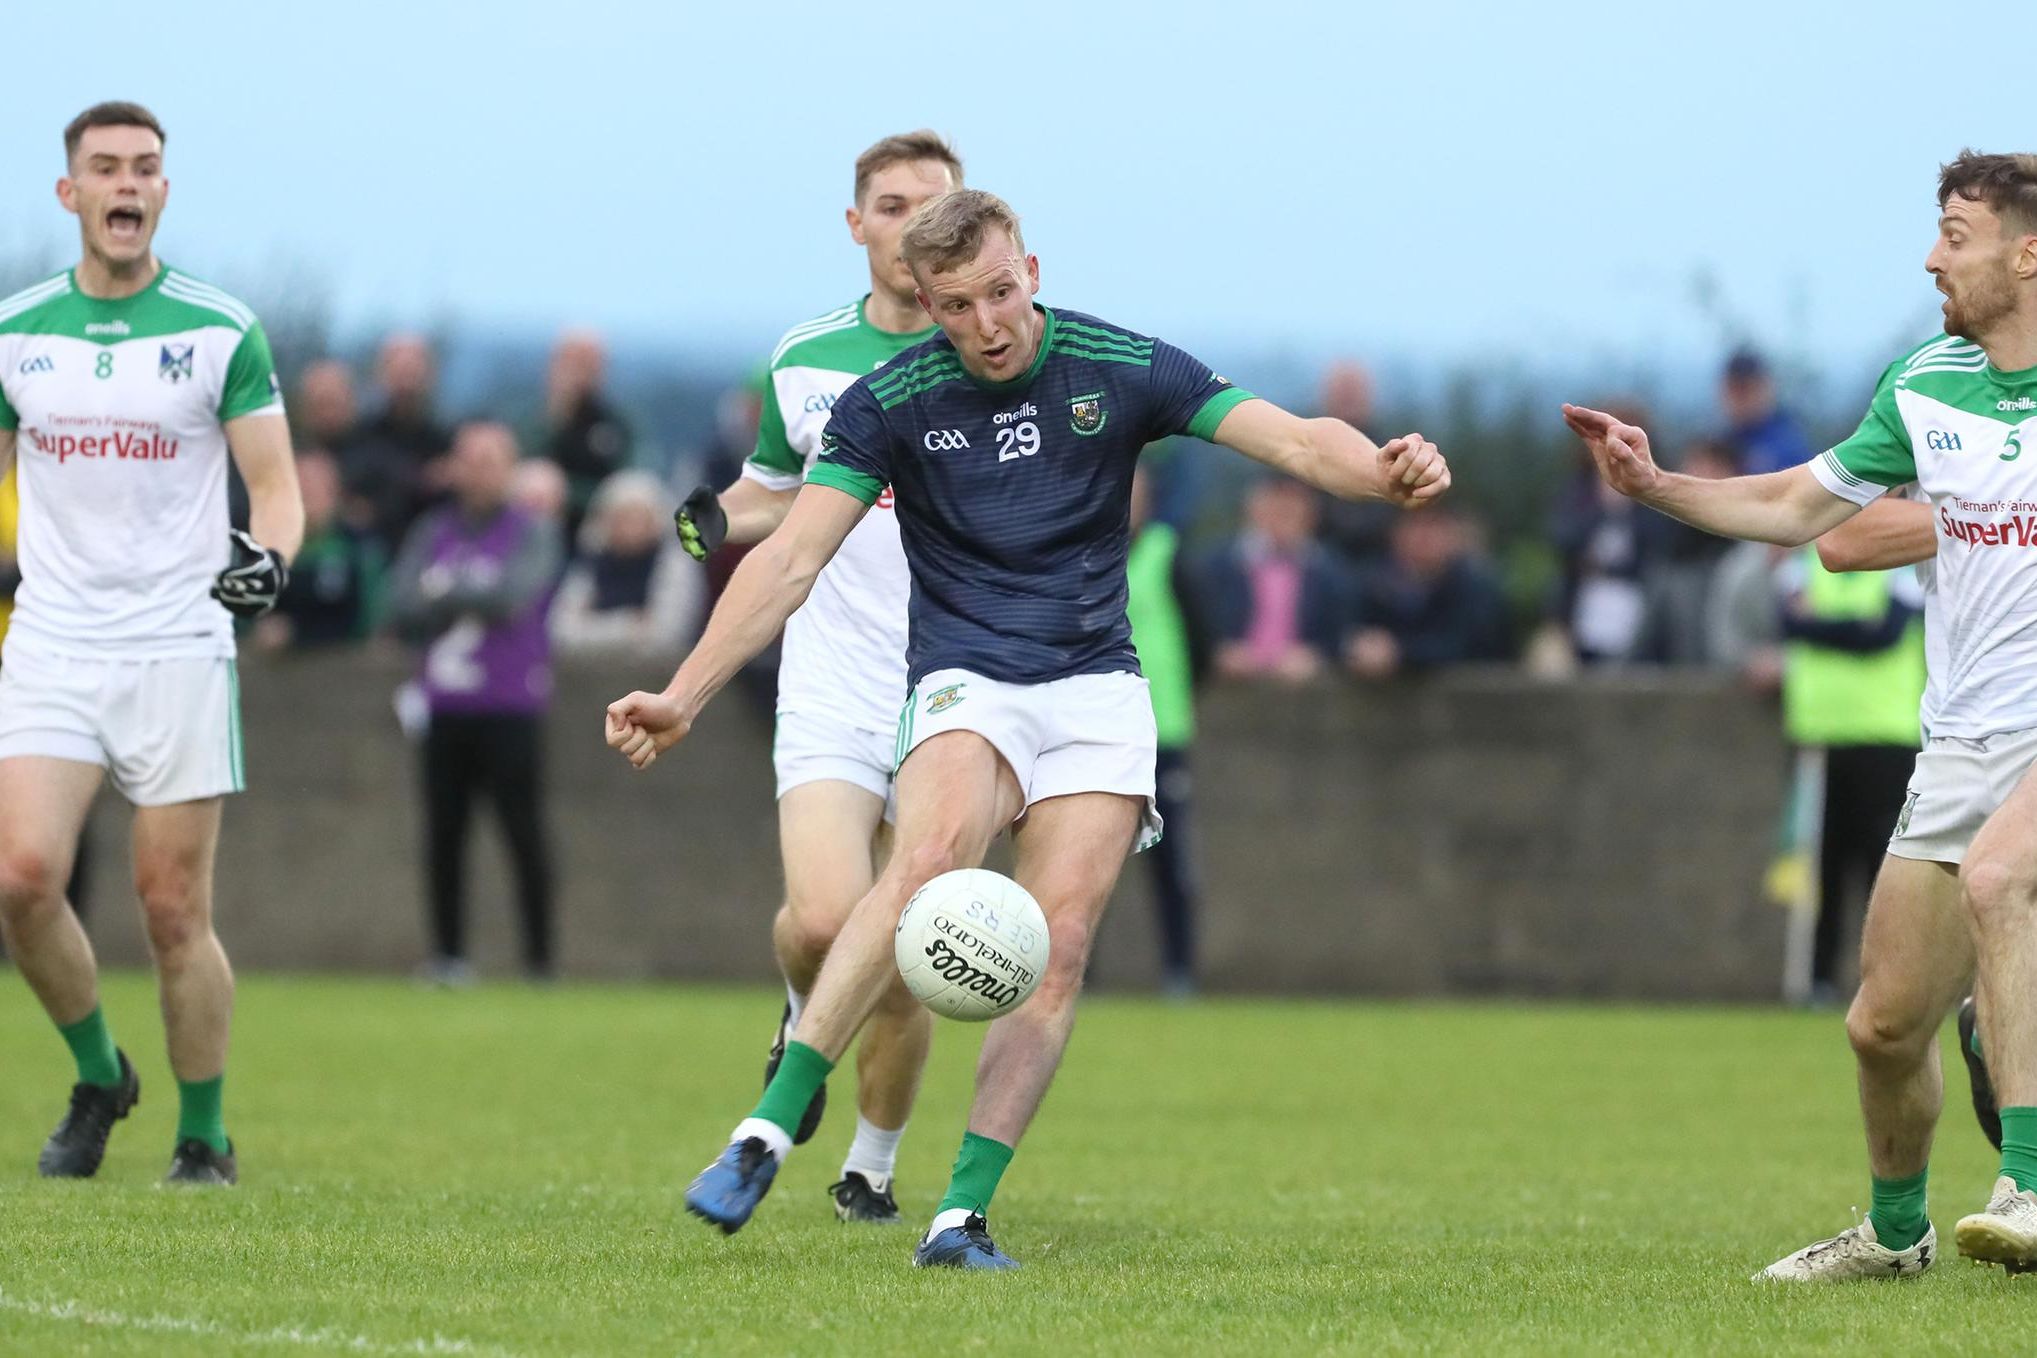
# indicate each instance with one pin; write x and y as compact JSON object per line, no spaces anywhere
{"x":165,"y":731}
{"x":1085,"y":733}
{"x":1957,"y":785}
{"x":814,"y":747}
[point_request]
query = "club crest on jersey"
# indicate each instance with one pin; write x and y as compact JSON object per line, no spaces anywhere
{"x":1086,"y":413}
{"x":941,"y":699}
{"x":175,"y":365}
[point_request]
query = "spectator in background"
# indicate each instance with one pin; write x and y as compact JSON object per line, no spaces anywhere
{"x":632,"y":591}
{"x":326,"y":412}
{"x":335,"y":584}
{"x":1166,"y":640}
{"x":1852,"y":683}
{"x":399,"y":458}
{"x":1431,"y":604}
{"x":472,"y":587}
{"x":1357,"y":530}
{"x":539,"y":489}
{"x":1766,"y":437}
{"x":1277,"y":597}
{"x":1684,"y":560}
{"x":584,"y":435}
{"x":1604,"y":541}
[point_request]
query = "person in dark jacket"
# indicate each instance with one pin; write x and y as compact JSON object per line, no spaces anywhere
{"x":1431,"y":604}
{"x":473,"y":587}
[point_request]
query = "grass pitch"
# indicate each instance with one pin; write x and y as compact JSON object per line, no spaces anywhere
{"x":499,"y":1172}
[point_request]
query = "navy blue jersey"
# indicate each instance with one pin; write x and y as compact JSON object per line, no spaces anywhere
{"x":1014,"y":498}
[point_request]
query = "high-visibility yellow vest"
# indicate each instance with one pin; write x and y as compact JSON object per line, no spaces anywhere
{"x":1834,"y":697}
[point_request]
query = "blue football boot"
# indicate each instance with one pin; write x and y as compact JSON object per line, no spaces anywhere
{"x":966,"y":1246}
{"x":728,"y":1191}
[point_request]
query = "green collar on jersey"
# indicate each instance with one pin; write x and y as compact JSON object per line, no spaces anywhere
{"x":899,"y":337}
{"x":154,"y":286}
{"x":1039,"y":359}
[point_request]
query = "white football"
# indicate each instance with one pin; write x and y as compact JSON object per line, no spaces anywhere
{"x":972,"y":944}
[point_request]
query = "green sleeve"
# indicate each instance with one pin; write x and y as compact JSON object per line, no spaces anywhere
{"x":251,"y":383}
{"x":859,"y":484}
{"x":775,"y":456}
{"x":1878,"y":454}
{"x":1203,"y":425}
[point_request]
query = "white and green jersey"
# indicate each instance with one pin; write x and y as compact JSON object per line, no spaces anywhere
{"x":1947,"y":419}
{"x":119,"y":409}
{"x":844,"y":650}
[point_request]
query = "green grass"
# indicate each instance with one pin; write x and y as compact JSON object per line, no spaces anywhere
{"x":499,"y":1172}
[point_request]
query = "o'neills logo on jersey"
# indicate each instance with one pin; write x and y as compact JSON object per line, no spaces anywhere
{"x":109,"y":328}
{"x":2020,"y":403}
{"x":138,"y":446}
{"x":2019,"y":529}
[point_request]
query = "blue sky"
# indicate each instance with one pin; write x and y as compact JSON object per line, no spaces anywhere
{"x":1552,"y":185}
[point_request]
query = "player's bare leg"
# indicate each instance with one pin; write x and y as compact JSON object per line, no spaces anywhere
{"x":834,"y":841}
{"x":1070,"y":850}
{"x":43,"y":804}
{"x":174,"y":849}
{"x":1916,"y":960}
{"x":1916,"y":956}
{"x":1998,"y":882}
{"x":955,"y":793}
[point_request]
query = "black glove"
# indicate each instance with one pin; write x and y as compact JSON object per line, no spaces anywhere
{"x":253,"y":580}
{"x":703,"y":524}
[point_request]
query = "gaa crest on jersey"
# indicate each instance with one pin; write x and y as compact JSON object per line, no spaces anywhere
{"x":175,"y":364}
{"x":1086,"y":413}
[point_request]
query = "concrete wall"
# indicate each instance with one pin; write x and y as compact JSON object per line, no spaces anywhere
{"x":1479,"y":835}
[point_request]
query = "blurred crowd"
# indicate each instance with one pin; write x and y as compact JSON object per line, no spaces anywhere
{"x":490,"y":548}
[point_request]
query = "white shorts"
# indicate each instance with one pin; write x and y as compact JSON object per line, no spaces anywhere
{"x":1085,"y":733}
{"x":813,"y":747}
{"x":1957,"y":785}
{"x":165,"y":731}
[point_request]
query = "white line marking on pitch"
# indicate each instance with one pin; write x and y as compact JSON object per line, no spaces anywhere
{"x":287,"y":1335}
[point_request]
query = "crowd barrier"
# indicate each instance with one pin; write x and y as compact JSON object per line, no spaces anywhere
{"x":1475,"y":834}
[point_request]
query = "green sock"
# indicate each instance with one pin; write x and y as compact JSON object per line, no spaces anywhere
{"x":91,"y":1043}
{"x":2019,"y":1145}
{"x":1898,"y":1211}
{"x":978,"y":1166}
{"x":198,"y":1112}
{"x":800,"y":1076}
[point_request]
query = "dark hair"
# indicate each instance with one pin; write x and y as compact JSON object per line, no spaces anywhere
{"x":112,"y":113}
{"x":925,"y":144}
{"x":2007,"y":184}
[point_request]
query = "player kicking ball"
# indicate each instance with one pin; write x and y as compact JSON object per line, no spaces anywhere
{"x":1010,"y":440}
{"x":124,"y":387}
{"x":1958,"y":891}
{"x":841,"y":674}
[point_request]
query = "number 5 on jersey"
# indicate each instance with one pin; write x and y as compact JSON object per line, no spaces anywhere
{"x":1018,"y":440}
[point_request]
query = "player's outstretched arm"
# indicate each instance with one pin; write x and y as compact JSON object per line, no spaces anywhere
{"x":765,"y":590}
{"x":1889,"y":533}
{"x":1787,"y":507}
{"x":748,"y":511}
{"x":1332,"y":456}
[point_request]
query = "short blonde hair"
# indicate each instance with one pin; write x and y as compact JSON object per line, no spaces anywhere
{"x":949,"y":230}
